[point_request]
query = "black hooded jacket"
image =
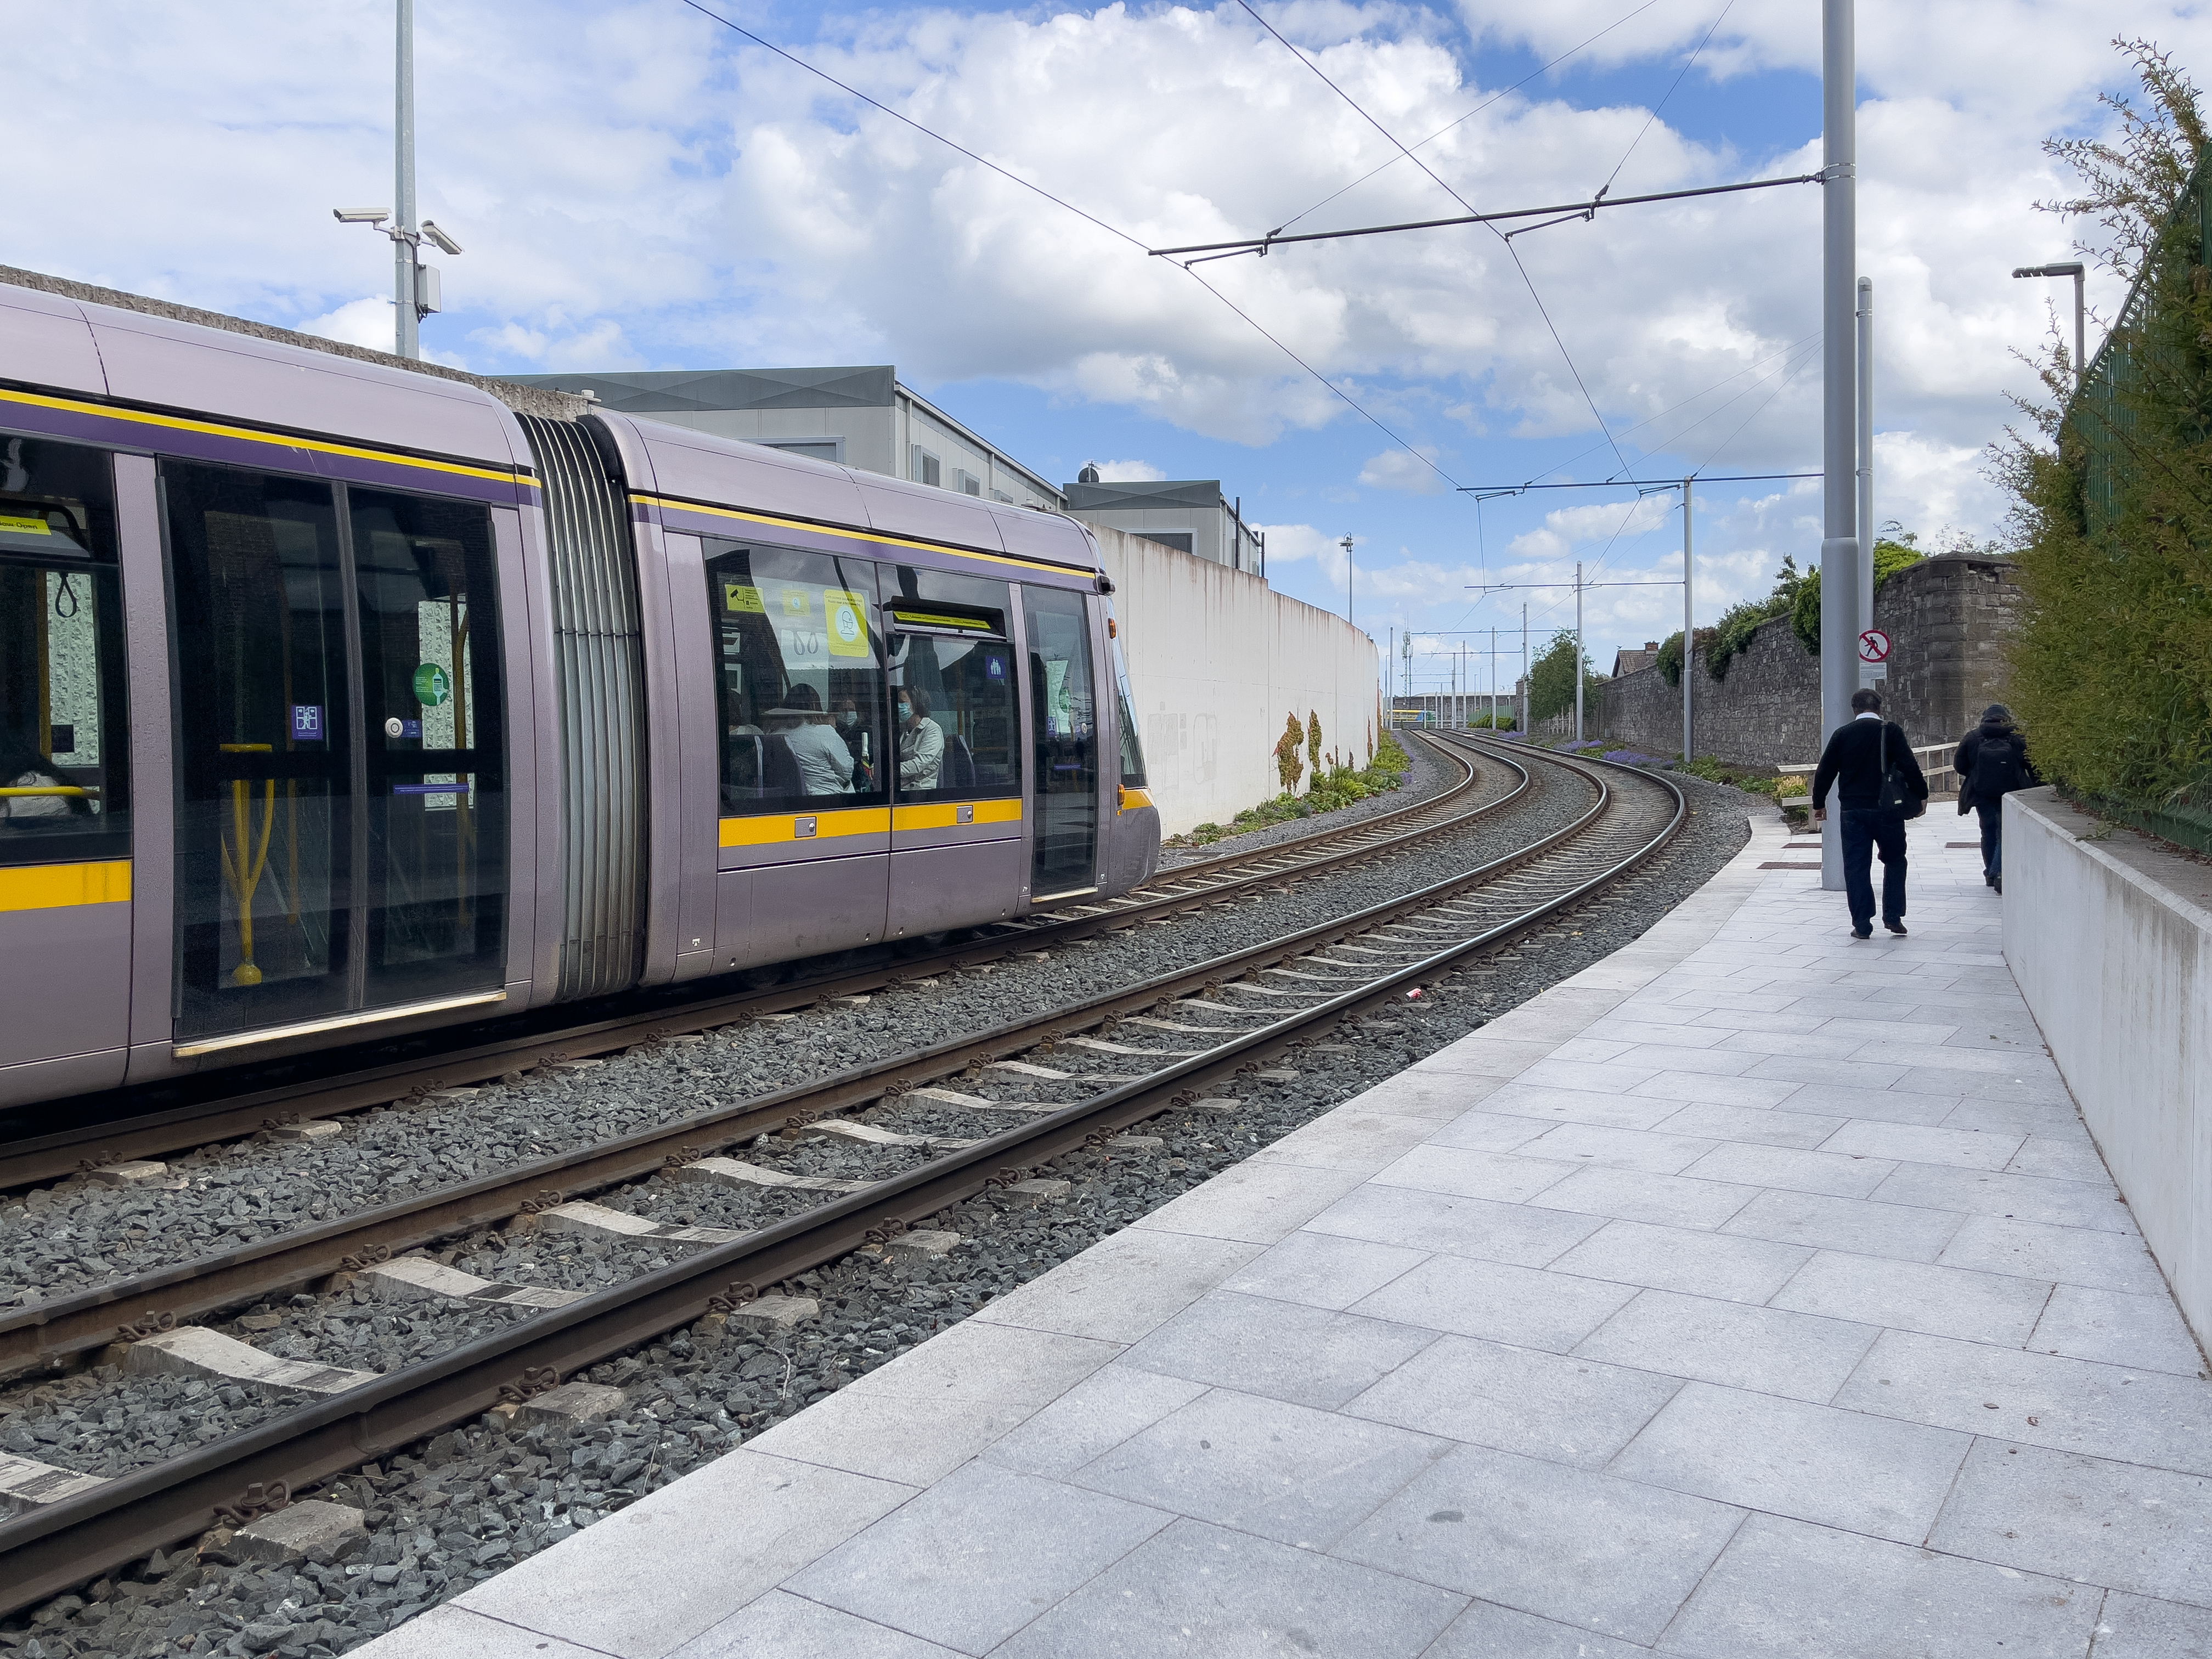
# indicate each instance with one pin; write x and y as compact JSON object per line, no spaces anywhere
{"x":1992,"y":763}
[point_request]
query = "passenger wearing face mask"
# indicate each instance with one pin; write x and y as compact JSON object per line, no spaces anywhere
{"x":856,"y":742}
{"x":921,"y":745}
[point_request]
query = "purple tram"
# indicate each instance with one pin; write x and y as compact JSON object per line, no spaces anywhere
{"x":341,"y":697}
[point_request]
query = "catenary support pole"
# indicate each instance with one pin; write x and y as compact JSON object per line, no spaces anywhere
{"x":1578,"y":651}
{"x":1868,"y":672}
{"x":1689,"y":633}
{"x":1524,"y":668}
{"x":406,"y":323}
{"x":1840,"y":540}
{"x":1493,"y":679}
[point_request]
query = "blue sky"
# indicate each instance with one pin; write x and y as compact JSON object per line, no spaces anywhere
{"x":638,"y":187}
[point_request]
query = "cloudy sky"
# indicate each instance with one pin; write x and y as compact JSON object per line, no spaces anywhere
{"x":639,"y":186}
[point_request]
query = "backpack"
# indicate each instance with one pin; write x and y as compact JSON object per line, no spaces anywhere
{"x":1997,"y":769}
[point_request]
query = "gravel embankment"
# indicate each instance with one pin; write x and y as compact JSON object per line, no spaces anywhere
{"x":79,"y":1233}
{"x":1425,"y":776}
{"x":454,"y":1510}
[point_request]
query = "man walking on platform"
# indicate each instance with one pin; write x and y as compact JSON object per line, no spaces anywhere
{"x":1878,"y":783}
{"x":1992,"y":763}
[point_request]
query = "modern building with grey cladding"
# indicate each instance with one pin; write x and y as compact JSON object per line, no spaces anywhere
{"x":1190,"y":515}
{"x":859,"y":417}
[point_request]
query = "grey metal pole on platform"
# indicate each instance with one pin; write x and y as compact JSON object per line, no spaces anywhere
{"x":1689,"y":633}
{"x":407,"y":323}
{"x":1869,"y":671}
{"x":1839,"y":539}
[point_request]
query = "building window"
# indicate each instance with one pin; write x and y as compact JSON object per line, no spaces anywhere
{"x":1178,"y":539}
{"x":927,"y":469}
{"x":1001,"y":495}
{"x":966,"y":481}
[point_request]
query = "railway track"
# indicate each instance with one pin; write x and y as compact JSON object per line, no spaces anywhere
{"x":1228,"y":1016}
{"x":556,"y":1035}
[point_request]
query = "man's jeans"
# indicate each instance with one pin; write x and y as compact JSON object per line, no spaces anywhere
{"x":1865,"y":828}
{"x":1991,"y":813}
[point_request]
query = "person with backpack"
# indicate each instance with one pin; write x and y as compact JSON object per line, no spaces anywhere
{"x":1870,"y":763}
{"x":1991,"y":762}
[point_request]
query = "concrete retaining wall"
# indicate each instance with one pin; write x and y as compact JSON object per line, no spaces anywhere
{"x":1218,"y":660}
{"x":2110,"y":941}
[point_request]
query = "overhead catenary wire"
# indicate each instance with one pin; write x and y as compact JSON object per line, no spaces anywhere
{"x":1447,"y":188}
{"x":1062,"y":203}
{"x":1671,"y":87}
{"x":1505,"y":92}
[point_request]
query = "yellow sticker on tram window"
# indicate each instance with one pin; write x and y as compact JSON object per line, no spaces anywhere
{"x":798,"y":602}
{"x":736,"y":596}
{"x":848,"y":631}
{"x":24,"y":526}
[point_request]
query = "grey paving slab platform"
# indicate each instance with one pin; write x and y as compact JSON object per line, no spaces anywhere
{"x":1756,"y":1291}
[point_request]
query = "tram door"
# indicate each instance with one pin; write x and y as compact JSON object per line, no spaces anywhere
{"x":340,"y":845}
{"x":64,"y":798}
{"x":1064,"y":739}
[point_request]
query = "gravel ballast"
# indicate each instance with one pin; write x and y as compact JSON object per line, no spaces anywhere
{"x":80,"y":1233}
{"x":454,"y":1510}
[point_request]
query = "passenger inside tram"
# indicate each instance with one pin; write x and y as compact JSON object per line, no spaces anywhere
{"x":921,"y":741}
{"x":825,"y":764}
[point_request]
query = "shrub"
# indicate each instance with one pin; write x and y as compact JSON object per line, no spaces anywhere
{"x":2111,"y":673}
{"x":1289,"y":767}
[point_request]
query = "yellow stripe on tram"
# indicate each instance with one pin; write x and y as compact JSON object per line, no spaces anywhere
{"x":871,"y":537}
{"x":767,"y":831}
{"x":946,"y":814}
{"x":282,"y":441}
{"x":58,"y":886}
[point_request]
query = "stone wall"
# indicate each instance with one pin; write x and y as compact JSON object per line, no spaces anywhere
{"x":1950,"y":619}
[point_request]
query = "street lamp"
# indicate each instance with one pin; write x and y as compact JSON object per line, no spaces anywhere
{"x":2072,"y":268}
{"x":1346,"y":545}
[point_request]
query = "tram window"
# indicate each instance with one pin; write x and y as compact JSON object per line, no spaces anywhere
{"x":432,"y":716}
{"x":265,"y":746}
{"x":64,"y":777}
{"x":798,"y":680}
{"x":951,"y":657}
{"x":1132,"y":751}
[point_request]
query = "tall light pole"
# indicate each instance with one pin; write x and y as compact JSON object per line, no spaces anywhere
{"x":1840,"y":540}
{"x":1524,"y":671}
{"x":405,"y":233}
{"x":415,"y":285}
{"x":2071,"y":268}
{"x":1346,"y":545}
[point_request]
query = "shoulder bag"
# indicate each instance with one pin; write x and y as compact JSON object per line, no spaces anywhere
{"x":1896,"y":796}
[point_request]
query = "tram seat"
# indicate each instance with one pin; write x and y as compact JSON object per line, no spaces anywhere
{"x":761,"y":768}
{"x":958,"y":770}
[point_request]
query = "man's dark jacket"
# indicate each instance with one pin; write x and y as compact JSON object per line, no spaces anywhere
{"x":1992,"y":763}
{"x":1852,"y":763}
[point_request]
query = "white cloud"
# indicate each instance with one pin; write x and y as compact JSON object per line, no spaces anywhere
{"x":1128,"y":472}
{"x":636,"y":189}
{"x":1399,"y":469}
{"x":365,"y":322}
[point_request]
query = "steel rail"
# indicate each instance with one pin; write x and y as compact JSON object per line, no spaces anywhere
{"x":49,"y":1332}
{"x":66,"y":1152}
{"x":56,"y":1546}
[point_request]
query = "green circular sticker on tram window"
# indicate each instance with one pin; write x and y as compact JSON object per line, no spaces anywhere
{"x":432,"y":687}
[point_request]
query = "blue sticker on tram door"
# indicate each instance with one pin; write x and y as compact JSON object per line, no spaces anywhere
{"x":306,"y":722}
{"x":995,"y":667}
